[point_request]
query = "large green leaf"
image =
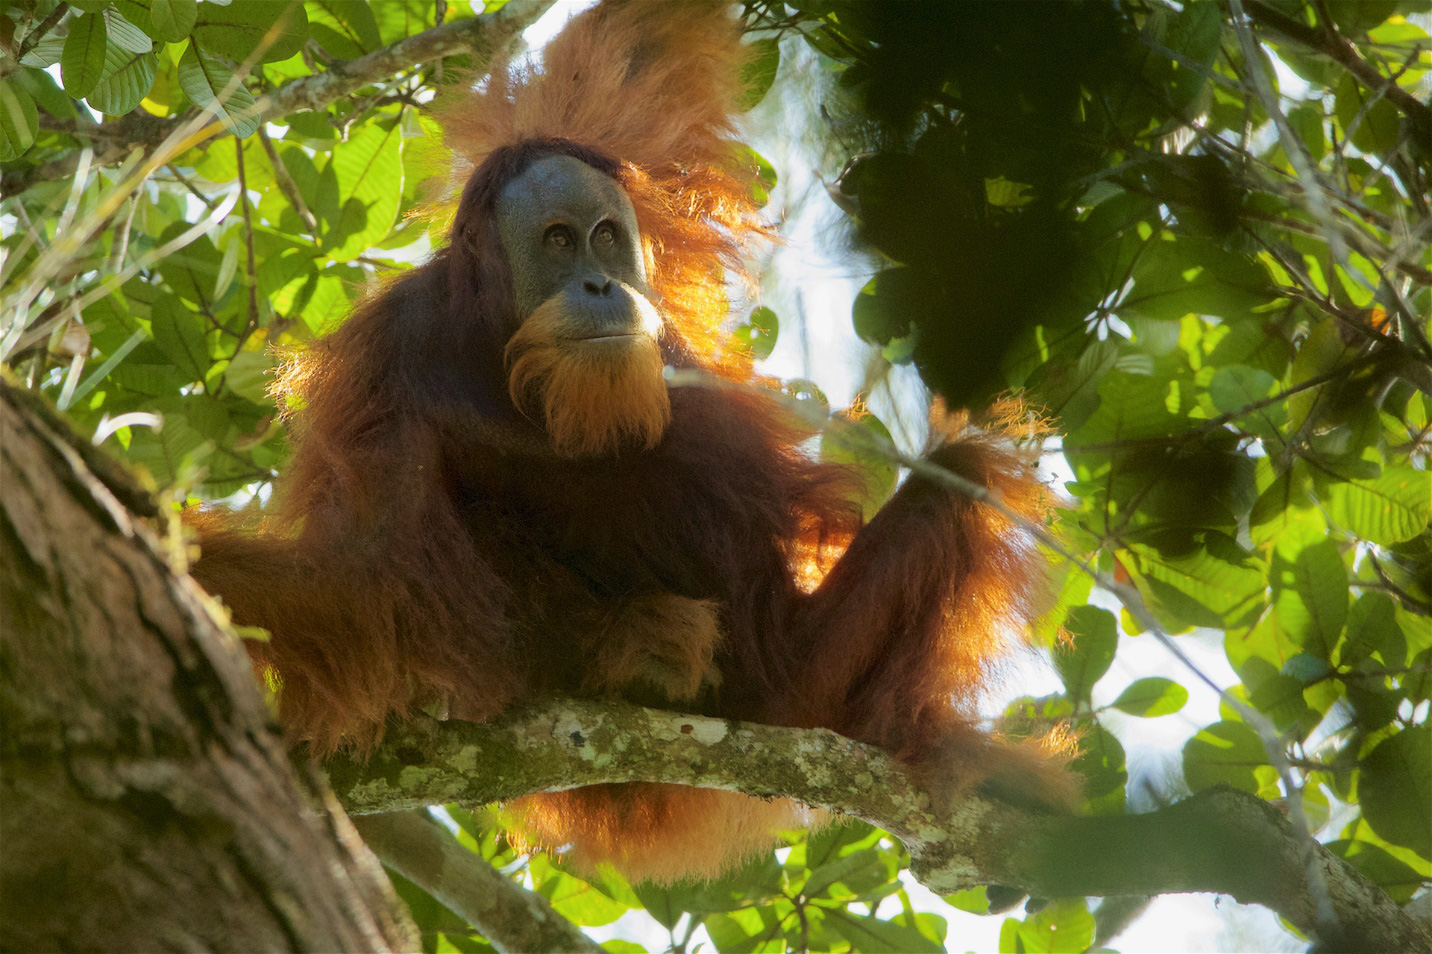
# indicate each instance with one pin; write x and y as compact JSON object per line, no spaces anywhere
{"x":1225,"y":753}
{"x":1152,"y":696}
{"x":177,"y":332}
{"x":1313,"y":598}
{"x":1201,"y":589}
{"x":273,"y":30}
{"x":345,"y":28}
{"x":1396,"y":789}
{"x":126,"y":35}
{"x":209,"y":82}
{"x":19,"y":120}
{"x":173,"y":19}
{"x":1083,"y":660}
{"x":759,"y":73}
{"x":1383,"y":510}
{"x":1236,"y":389}
{"x":370,"y":178}
{"x":192,"y":271}
{"x":125,"y":81}
{"x":82,"y":63}
{"x":1176,"y":276}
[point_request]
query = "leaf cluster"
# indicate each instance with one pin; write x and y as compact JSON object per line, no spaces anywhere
{"x":1198,"y":241}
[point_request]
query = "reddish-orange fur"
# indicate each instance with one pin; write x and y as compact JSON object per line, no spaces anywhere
{"x":430,"y":543}
{"x":594,"y":397}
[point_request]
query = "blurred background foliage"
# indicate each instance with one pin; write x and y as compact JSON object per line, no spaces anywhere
{"x":1196,"y":234}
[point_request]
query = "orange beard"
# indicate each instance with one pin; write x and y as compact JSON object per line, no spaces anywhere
{"x":596,"y":396}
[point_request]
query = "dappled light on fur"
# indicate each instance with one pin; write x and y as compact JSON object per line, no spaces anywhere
{"x":659,"y":833}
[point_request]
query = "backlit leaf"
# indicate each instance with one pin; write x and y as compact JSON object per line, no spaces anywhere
{"x":207,"y":81}
{"x":1152,"y":696}
{"x":1385,"y":509}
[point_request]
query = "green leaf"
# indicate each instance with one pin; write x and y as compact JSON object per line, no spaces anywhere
{"x":874,"y":935}
{"x":249,"y":374}
{"x":1084,"y":662}
{"x":1307,"y":122}
{"x":745,"y":930}
{"x":1383,"y":510}
{"x":46,"y":53}
{"x":1305,"y":668}
{"x":173,"y":19}
{"x":370,"y":178}
{"x":578,"y":901}
{"x":1318,"y":577}
{"x":758,"y":334}
{"x":1202,"y":589}
{"x":126,"y":35}
{"x":1104,"y":765}
{"x":276,"y":31}
{"x":882,"y":310}
{"x":1130,"y":406}
{"x":759,"y":72}
{"x":1177,"y":276}
{"x":45,"y":92}
{"x":759,"y":168}
{"x":345,"y":28}
{"x":125,"y":82}
{"x":19,"y":120}
{"x":176,"y":331}
{"x":82,"y":63}
{"x":1063,"y":925}
{"x":1224,"y":753}
{"x":855,"y":866}
{"x":1372,"y":125}
{"x":1152,"y":696}
{"x":878,"y":473}
{"x":1372,"y":628}
{"x":1399,"y":879}
{"x":328,"y":303}
{"x":1194,"y":33}
{"x":1395,"y":789}
{"x":1237,"y":387}
{"x":208,"y":82}
{"x":192,"y":271}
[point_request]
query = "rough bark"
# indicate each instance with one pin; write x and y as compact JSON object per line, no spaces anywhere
{"x":1219,"y":840}
{"x":146,"y":802}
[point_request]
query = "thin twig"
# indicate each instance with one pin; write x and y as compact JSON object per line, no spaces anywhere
{"x":287,"y":186}
{"x":33,"y":38}
{"x":253,"y":282}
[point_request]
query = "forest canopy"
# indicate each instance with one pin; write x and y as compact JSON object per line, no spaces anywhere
{"x":1195,"y":235}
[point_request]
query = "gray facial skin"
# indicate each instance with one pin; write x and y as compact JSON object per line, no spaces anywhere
{"x":570,"y":230}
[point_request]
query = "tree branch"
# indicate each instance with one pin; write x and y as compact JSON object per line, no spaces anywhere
{"x":10,"y":65}
{"x":1325,"y":39}
{"x":1219,"y":840}
{"x":509,"y":916}
{"x":483,"y":37}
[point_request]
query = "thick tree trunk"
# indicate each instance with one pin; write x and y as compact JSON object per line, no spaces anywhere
{"x":146,"y":802}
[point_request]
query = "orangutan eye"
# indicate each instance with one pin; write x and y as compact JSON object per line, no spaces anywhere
{"x":604,"y":234}
{"x":559,"y":236}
